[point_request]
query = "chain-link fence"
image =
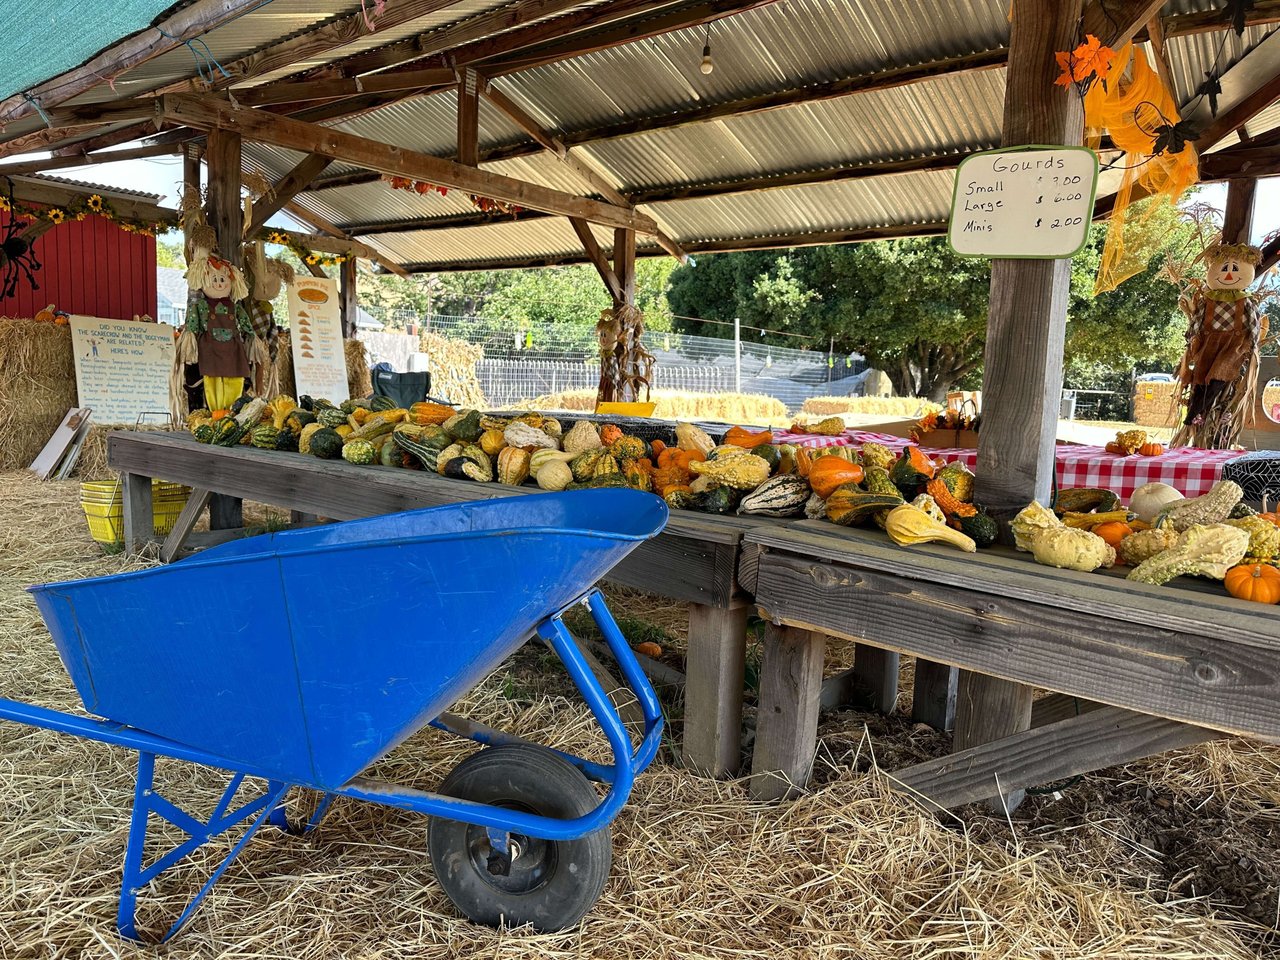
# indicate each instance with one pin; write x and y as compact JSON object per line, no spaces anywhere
{"x":540,"y":360}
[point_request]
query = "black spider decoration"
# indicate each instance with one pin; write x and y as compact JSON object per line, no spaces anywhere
{"x":17,"y":256}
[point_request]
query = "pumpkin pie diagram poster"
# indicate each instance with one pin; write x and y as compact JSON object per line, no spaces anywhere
{"x":122,"y":367}
{"x":315,"y":335}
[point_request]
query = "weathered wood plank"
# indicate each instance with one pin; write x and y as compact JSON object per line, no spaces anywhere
{"x":787,"y":719}
{"x":468,"y":117}
{"x":596,"y":256}
{"x":933,"y":694}
{"x":875,"y":677}
{"x":207,"y":114}
{"x":839,"y":691}
{"x":714,"y":674}
{"x":1064,"y":749}
{"x":177,"y":538}
{"x":1194,"y":677}
{"x":1059,"y":706}
{"x":987,"y":709}
{"x":139,"y":521}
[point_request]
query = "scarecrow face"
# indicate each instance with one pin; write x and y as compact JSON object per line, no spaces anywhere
{"x":1230,"y":273}
{"x":217,"y":281}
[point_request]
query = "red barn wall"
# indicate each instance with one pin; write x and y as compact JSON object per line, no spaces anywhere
{"x":89,"y":267}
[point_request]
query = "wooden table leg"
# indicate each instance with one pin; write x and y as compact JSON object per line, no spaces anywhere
{"x":225,"y":513}
{"x":177,"y":538}
{"x":875,"y":677}
{"x":139,"y":519}
{"x":299,"y":519}
{"x":787,"y":720}
{"x":933,"y":695}
{"x":987,"y":709}
{"x":714,"y":675}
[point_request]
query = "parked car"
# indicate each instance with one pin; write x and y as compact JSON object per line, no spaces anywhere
{"x":1156,"y":378}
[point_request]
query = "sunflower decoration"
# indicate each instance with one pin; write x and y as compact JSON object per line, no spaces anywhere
{"x":312,"y":259}
{"x":275,"y":236}
{"x":94,"y":204}
{"x":56,"y":215}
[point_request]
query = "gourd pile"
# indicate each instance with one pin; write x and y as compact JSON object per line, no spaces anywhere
{"x":908,"y":496}
{"x":1161,"y":535}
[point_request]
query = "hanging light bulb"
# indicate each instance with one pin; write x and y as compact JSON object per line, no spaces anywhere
{"x":707,"y":66}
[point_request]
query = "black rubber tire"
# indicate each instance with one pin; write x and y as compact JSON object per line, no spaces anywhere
{"x":554,"y":883}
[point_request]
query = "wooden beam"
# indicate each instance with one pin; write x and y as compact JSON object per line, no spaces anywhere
{"x":1155,"y":34}
{"x":521,"y":119}
{"x":1116,"y":22}
{"x":451,"y":221}
{"x":1068,"y":748}
{"x":875,"y":677}
{"x":187,"y":23}
{"x":715,"y":671}
{"x":787,"y":718}
{"x":87,"y":160}
{"x":333,"y":89}
{"x":350,"y":305}
{"x":933,"y":694}
{"x":468,"y":117}
{"x":1259,"y":76}
{"x":1270,"y":255}
{"x":1237,"y":219}
{"x":45,"y":139}
{"x":624,"y":265}
{"x":1026,"y":328}
{"x":315,"y":220}
{"x":59,"y":195}
{"x":1252,"y":162}
{"x":310,"y":167}
{"x":208,"y":114}
{"x":596,"y":257}
{"x":1263,"y":13}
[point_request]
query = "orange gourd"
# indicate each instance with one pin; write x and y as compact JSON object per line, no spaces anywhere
{"x":1258,"y":582}
{"x":1115,"y":448}
{"x":804,"y":463}
{"x":219,"y":414}
{"x":657,"y":446}
{"x":828,"y":472}
{"x":951,"y":505}
{"x":1113,"y":531}
{"x":1151,"y":449}
{"x":609,"y":433}
{"x":741,"y":437}
{"x":426,"y":414}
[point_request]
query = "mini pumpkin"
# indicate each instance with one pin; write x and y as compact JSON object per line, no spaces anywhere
{"x":828,"y":472}
{"x":1258,"y":582}
{"x":1113,"y":531}
{"x":1151,"y":449}
{"x":609,"y":433}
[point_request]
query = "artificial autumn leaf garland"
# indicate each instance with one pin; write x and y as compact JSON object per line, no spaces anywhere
{"x":1088,"y":62}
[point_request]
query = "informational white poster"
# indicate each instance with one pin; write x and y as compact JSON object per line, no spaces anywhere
{"x":1024,"y":203}
{"x":122,"y":367}
{"x":315,"y":334}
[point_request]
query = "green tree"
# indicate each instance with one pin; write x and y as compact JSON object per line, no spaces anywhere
{"x":170,"y":255}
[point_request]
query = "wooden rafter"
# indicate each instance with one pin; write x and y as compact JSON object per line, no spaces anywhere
{"x":86,"y":160}
{"x":1116,"y":22}
{"x":343,"y":87}
{"x":205,"y":113}
{"x":285,"y":190}
{"x":468,"y":117}
{"x":56,"y":194}
{"x":324,"y":226}
{"x":596,"y":257}
{"x":187,"y":23}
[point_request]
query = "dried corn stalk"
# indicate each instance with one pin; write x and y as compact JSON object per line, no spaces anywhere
{"x":626,"y":367}
{"x":453,"y":370}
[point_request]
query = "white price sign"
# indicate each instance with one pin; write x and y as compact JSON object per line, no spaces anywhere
{"x":1024,"y":203}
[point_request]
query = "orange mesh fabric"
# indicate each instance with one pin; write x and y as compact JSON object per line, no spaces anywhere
{"x":1133,"y":104}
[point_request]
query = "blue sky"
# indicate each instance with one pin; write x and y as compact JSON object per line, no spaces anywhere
{"x":163,"y":175}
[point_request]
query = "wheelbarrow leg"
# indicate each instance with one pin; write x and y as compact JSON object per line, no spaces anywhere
{"x":280,"y":817}
{"x":147,"y":801}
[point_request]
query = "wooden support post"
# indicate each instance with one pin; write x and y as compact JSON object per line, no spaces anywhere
{"x":875,"y":677}
{"x":226,"y":216}
{"x":624,"y":263}
{"x":714,"y":675}
{"x":597,"y":257}
{"x":191,"y":512}
{"x":787,"y":720}
{"x":1068,"y":748}
{"x":933,"y":694}
{"x":1026,"y":326}
{"x":139,"y":521}
{"x":1237,"y":220}
{"x":350,"y":304}
{"x":468,"y":117}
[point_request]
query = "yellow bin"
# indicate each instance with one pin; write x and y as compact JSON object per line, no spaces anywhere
{"x":103,"y":506}
{"x":634,"y":409}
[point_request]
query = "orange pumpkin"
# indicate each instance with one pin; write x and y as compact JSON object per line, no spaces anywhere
{"x":1115,"y":448}
{"x":1258,"y":582}
{"x":828,"y":472}
{"x":1151,"y":449}
{"x":741,"y":437}
{"x":804,"y":463}
{"x":1113,"y":531}
{"x":219,"y":414}
{"x":657,"y":446}
{"x":609,"y":433}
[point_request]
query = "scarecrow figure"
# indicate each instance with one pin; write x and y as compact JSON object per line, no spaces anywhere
{"x":1219,"y":371}
{"x":268,"y":278}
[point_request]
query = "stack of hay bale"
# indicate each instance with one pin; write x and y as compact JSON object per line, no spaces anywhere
{"x":37,"y":386}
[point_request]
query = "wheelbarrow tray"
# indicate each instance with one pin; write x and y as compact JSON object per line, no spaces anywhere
{"x":306,"y":655}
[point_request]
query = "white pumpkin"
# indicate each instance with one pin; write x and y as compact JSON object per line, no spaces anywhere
{"x":1150,"y":498}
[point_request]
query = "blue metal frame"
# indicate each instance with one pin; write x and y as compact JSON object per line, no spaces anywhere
{"x":269,"y":808}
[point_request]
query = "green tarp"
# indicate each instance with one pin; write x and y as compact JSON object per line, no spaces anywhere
{"x":40,"y":39}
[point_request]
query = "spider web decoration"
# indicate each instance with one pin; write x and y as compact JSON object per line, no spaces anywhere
{"x":17,"y":257}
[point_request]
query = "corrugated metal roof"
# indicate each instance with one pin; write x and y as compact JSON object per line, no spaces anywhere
{"x":88,"y":186}
{"x":786,"y":45}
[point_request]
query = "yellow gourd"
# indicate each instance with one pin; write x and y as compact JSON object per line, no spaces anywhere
{"x":908,"y":525}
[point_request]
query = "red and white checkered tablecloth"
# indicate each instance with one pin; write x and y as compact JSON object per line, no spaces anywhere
{"x":1186,"y":469}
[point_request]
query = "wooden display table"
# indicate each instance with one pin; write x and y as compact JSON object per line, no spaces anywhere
{"x":1140,"y":669}
{"x":694,"y":560}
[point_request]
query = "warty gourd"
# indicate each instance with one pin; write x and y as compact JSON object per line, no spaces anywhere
{"x":1210,"y":508}
{"x":1071,"y":549}
{"x":1202,"y":551}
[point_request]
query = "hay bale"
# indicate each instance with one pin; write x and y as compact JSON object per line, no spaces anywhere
{"x":877,"y":406}
{"x":1153,"y":404}
{"x":453,"y":369}
{"x":744,"y":408}
{"x":37,"y":386}
{"x":359,"y":382}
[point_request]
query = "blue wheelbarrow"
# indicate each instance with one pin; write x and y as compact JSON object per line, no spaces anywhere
{"x":271,"y":658}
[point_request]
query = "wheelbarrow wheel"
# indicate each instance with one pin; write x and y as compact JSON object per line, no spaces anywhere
{"x":548,"y":884}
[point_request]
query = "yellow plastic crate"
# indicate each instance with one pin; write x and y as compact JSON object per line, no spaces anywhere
{"x":106,"y":516}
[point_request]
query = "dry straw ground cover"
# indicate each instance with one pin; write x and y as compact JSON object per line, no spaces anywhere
{"x":849,"y":871}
